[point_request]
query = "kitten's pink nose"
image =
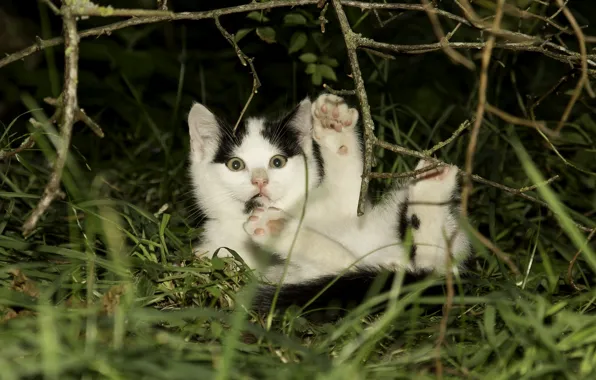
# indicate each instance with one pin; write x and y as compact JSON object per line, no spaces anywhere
{"x":259,"y":182}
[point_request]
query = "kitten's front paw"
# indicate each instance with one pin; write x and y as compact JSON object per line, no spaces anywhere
{"x":332,"y":116}
{"x":265,"y":223}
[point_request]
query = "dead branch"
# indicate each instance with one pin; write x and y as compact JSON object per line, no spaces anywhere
{"x":369,"y":137}
{"x":71,"y":77}
{"x":583,"y":81}
{"x":245,"y":60}
{"x":467,"y":186}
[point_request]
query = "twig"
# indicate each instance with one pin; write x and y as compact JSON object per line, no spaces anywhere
{"x":583,"y":80}
{"x":540,"y":125}
{"x":463,"y":126}
{"x":28,"y":143}
{"x":536,"y":46}
{"x":351,"y":45}
{"x":543,"y":183}
{"x":80,"y":115}
{"x":52,"y":6}
{"x":253,"y":6}
{"x":338,"y":92}
{"x":411,"y":173}
{"x":71,"y":77}
{"x":574,"y":259}
{"x":494,"y":249}
{"x":407,"y":7}
{"x":467,"y":185}
{"x":245,"y":60}
{"x":443,"y":40}
{"x":531,"y":44}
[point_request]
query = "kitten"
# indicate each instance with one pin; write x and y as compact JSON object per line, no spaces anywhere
{"x":285,"y":192}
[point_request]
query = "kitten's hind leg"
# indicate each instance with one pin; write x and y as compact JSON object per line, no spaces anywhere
{"x":432,"y":214}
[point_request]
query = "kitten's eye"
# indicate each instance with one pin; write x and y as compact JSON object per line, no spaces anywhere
{"x":235,"y":164}
{"x":278,"y":161}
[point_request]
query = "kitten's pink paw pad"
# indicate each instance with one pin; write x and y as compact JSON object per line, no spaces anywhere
{"x":438,"y":174}
{"x":333,"y":112}
{"x":263,"y":223}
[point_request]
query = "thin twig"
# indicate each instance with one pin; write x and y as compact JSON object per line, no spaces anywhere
{"x":71,"y":78}
{"x":574,"y":259}
{"x":540,"y":125}
{"x":583,"y":79}
{"x":351,"y":45}
{"x":412,"y":173}
{"x":531,"y":46}
{"x":467,"y":185}
{"x":543,"y":183}
{"x":338,"y":92}
{"x":245,"y":60}
{"x":463,"y":126}
{"x":494,"y":249}
{"x":80,"y":115}
{"x":27,"y":143}
{"x":443,"y":40}
{"x":52,"y":6}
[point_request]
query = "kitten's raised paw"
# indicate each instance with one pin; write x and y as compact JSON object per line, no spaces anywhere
{"x":436,"y":185}
{"x":332,"y":116}
{"x":334,"y":113}
{"x":439,"y":174}
{"x":265,"y":223}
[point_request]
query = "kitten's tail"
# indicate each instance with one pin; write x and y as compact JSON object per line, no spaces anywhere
{"x":337,"y":295}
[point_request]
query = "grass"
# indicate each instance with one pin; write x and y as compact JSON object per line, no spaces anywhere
{"x":107,"y":288}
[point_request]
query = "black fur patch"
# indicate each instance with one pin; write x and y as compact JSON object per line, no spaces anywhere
{"x":283,"y":135}
{"x":402,"y":219}
{"x":251,"y":204}
{"x":415,"y":222}
{"x":228,"y":140}
{"x":346,"y":292}
{"x":316,"y":151}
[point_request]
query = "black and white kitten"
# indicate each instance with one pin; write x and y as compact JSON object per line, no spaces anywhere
{"x":252,"y":186}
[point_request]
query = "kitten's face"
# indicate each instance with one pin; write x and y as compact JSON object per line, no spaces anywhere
{"x":261,"y":159}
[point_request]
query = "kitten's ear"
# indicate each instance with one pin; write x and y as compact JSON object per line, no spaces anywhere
{"x":203,"y":129}
{"x":303,"y":118}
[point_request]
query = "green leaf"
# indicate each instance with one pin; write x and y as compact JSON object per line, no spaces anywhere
{"x":267,"y":34}
{"x":316,"y":78}
{"x":297,"y":42}
{"x":329,"y":61}
{"x":327,"y":72}
{"x":294,"y":19}
{"x":308,"y":58}
{"x":257,"y":16}
{"x":311,"y":68}
{"x":240,"y":34}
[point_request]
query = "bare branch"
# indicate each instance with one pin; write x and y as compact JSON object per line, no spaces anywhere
{"x":71,"y":77}
{"x":467,"y":186}
{"x":540,"y":125}
{"x":583,"y":81}
{"x":245,"y":60}
{"x":351,"y":41}
{"x":444,"y":41}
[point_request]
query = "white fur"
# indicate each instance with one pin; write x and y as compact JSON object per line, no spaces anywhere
{"x":331,"y":238}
